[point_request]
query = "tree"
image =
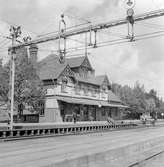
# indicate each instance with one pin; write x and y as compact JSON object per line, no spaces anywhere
{"x":150,"y":105}
{"x":4,"y":83}
{"x":28,"y":87}
{"x":139,"y":93}
{"x":139,"y":100}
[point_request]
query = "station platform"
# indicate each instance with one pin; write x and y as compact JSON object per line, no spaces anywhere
{"x":114,"y":148}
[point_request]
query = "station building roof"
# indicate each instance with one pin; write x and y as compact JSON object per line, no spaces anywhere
{"x":51,"y":68}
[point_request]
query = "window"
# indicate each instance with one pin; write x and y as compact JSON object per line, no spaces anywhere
{"x":93,"y":92}
{"x":77,"y":109}
{"x":41,"y":108}
{"x":109,"y":113}
{"x":85,"y":89}
{"x":114,"y":111}
{"x":103,"y":111}
{"x":64,"y":84}
{"x":103,"y":94}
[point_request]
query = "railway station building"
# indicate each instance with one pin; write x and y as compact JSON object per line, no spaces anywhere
{"x":72,"y":87}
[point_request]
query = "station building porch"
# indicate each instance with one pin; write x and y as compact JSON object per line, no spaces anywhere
{"x":61,"y":109}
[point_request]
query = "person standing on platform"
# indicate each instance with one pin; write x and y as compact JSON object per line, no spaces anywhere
{"x":74,"y":117}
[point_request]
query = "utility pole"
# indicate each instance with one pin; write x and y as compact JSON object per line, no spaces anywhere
{"x":15,"y":32}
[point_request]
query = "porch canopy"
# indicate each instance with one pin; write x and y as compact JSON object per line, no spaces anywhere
{"x":86,"y":101}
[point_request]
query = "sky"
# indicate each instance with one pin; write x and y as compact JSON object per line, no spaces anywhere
{"x":125,"y":63}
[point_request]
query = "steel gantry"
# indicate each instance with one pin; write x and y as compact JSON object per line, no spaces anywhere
{"x":93,"y":28}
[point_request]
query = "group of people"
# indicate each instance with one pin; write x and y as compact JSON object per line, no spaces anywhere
{"x":145,"y":118}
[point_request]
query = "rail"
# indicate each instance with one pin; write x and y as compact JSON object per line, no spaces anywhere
{"x":35,"y":132}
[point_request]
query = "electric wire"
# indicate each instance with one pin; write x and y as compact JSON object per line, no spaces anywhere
{"x":149,"y":37}
{"x":2,"y":41}
{"x":22,"y":27}
{"x":56,"y":32}
{"x":152,"y":33}
{"x":4,"y":44}
{"x":149,"y":25}
{"x":76,"y":40}
{"x":113,"y":34}
{"x":114,"y":42}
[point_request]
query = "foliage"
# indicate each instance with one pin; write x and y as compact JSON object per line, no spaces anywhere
{"x":28,"y":87}
{"x":138,"y":100}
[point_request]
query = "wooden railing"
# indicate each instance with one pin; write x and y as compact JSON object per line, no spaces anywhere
{"x":40,"y":131}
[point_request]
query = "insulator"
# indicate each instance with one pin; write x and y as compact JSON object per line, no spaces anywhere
{"x":130,"y":19}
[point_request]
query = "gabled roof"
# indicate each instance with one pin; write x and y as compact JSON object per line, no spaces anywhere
{"x":78,"y":61}
{"x":95,"y":80}
{"x":50,"y":67}
{"x":113,"y":98}
{"x":75,"y":61}
{"x":102,"y":79}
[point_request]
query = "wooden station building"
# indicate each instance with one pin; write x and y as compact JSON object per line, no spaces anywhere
{"x":72,"y":87}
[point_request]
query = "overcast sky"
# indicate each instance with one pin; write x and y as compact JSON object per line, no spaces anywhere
{"x":126,"y":63}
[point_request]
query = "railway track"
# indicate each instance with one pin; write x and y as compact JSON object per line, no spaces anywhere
{"x":144,"y":161}
{"x":20,"y":133}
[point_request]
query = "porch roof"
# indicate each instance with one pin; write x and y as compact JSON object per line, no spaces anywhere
{"x":86,"y":101}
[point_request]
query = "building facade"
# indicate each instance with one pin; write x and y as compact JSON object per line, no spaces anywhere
{"x":73,"y":88}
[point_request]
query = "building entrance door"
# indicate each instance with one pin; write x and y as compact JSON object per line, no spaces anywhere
{"x":85,"y":112}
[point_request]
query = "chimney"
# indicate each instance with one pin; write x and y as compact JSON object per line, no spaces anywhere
{"x":33,"y":50}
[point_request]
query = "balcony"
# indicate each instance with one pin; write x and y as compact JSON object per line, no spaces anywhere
{"x":77,"y":92}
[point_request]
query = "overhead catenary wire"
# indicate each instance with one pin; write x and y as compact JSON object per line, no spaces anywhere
{"x":56,"y":32}
{"x":149,"y":25}
{"x":76,"y":40}
{"x":5,"y":48}
{"x":24,"y":28}
{"x":2,"y":41}
{"x":113,"y":34}
{"x":114,"y":42}
{"x":96,"y":27}
{"x":3,"y":51}
{"x":148,"y":15}
{"x":5,"y":43}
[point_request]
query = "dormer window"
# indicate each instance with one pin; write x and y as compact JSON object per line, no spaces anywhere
{"x":64,"y":84}
{"x":103,"y":91}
